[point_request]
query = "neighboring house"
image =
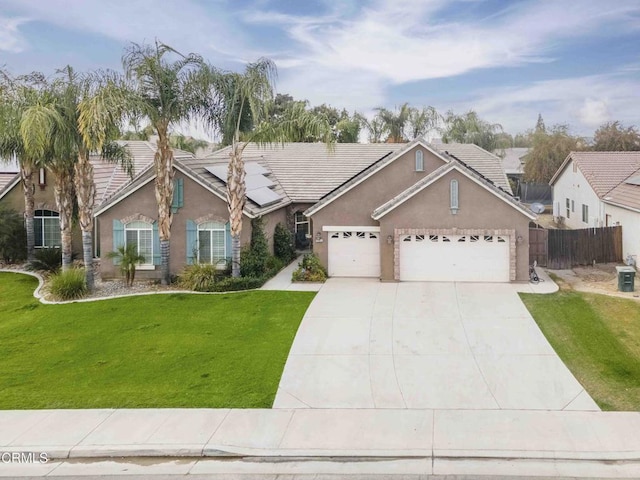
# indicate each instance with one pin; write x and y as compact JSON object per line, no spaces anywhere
{"x":584,"y":180}
{"x":600,"y":189}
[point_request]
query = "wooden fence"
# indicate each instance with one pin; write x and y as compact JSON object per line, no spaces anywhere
{"x":538,"y":245}
{"x":567,"y":248}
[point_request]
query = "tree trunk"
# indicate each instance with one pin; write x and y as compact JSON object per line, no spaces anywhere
{"x":86,"y":195}
{"x":64,"y":200}
{"x":164,"y":197}
{"x":28,"y":187}
{"x":236,"y":199}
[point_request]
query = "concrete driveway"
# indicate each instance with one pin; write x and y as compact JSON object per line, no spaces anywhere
{"x":366,"y":344}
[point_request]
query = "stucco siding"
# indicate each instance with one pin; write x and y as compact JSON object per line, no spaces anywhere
{"x":630,"y":222}
{"x":199,"y":204}
{"x":479,"y":210}
{"x":44,"y":200}
{"x":355,"y":206}
{"x":575,"y":187}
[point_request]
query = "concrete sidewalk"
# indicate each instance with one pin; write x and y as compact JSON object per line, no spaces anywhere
{"x":498,"y":434}
{"x":282,"y":281}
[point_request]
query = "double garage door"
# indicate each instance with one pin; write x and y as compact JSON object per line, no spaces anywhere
{"x":437,"y":258}
{"x":454,"y":258}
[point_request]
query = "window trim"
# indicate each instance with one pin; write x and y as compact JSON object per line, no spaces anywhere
{"x":454,"y":196}
{"x":42,"y":218}
{"x":148,"y":263}
{"x":419,"y":161}
{"x":304,"y":222}
{"x":223,"y":228}
{"x":585,"y":213}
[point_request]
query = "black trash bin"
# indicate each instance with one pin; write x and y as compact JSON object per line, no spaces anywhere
{"x":626,"y":278}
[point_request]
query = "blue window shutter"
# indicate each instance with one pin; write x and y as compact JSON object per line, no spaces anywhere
{"x":178,"y":194}
{"x":156,"y":245}
{"x":227,"y":230}
{"x":118,"y":238}
{"x":192,"y":242}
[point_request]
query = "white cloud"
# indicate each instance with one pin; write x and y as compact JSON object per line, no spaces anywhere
{"x":10,"y":38}
{"x":594,"y":112}
{"x":186,"y":24}
{"x":583,"y":102}
{"x":354,"y":60}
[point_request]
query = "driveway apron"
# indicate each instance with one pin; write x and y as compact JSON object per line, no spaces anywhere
{"x":367,"y":344}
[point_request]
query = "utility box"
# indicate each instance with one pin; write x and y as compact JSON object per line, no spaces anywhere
{"x":626,"y":278}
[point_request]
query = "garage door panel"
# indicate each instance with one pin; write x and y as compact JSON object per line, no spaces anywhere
{"x":461,"y":258}
{"x":354,"y":254}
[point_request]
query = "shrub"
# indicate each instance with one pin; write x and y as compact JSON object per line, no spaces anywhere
{"x":128,"y":257}
{"x":253,"y":259}
{"x":241,"y":283}
{"x":309,"y":270}
{"x":47,"y":260}
{"x":283,"y":247}
{"x":13,"y":236}
{"x":68,"y":285}
{"x":199,"y":277}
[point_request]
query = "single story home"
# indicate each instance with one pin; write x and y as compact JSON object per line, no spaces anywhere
{"x":600,"y":189}
{"x":390,"y":211}
{"x":108,"y":179}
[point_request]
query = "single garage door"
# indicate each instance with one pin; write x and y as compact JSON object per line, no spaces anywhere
{"x":454,"y":258}
{"x":354,"y":254}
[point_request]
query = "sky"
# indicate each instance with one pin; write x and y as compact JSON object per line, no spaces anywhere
{"x":575,"y":62}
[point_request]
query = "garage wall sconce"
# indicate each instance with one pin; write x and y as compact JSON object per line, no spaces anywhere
{"x":319,"y":237}
{"x":389,"y":239}
{"x":519,"y":239}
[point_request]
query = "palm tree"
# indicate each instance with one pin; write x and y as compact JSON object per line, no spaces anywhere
{"x":45,"y":137}
{"x":165,"y":92}
{"x":470,"y":128}
{"x":376,"y":127}
{"x":423,"y":121}
{"x":16,"y":95}
{"x":251,"y":93}
{"x":395,"y":122}
{"x":89,"y":130}
{"x":188,"y":144}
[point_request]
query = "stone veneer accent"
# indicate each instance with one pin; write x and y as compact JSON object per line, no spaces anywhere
{"x":137,"y":217}
{"x":454,"y":231}
{"x":211,"y":217}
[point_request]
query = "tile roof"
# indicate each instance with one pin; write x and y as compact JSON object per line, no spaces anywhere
{"x":486,"y":163}
{"x":603,"y":170}
{"x":512,"y":161}
{"x":197,"y":167}
{"x":309,"y":171}
{"x":382,"y":210}
{"x":624,"y":195}
{"x":109,"y":178}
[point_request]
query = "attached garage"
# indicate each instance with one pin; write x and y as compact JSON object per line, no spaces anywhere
{"x":454,"y":258}
{"x":354,"y":252}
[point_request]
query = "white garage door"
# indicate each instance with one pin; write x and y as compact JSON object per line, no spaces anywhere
{"x":354,"y":254}
{"x":454,"y":258}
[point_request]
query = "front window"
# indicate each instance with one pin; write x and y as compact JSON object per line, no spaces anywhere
{"x":302,"y":223}
{"x":46,"y":226}
{"x":585,"y":213}
{"x":140,"y":234}
{"x":212,"y":246}
{"x":419,"y":161}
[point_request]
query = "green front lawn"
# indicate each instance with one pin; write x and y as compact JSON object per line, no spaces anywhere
{"x":598,"y":338}
{"x":177,"y":350}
